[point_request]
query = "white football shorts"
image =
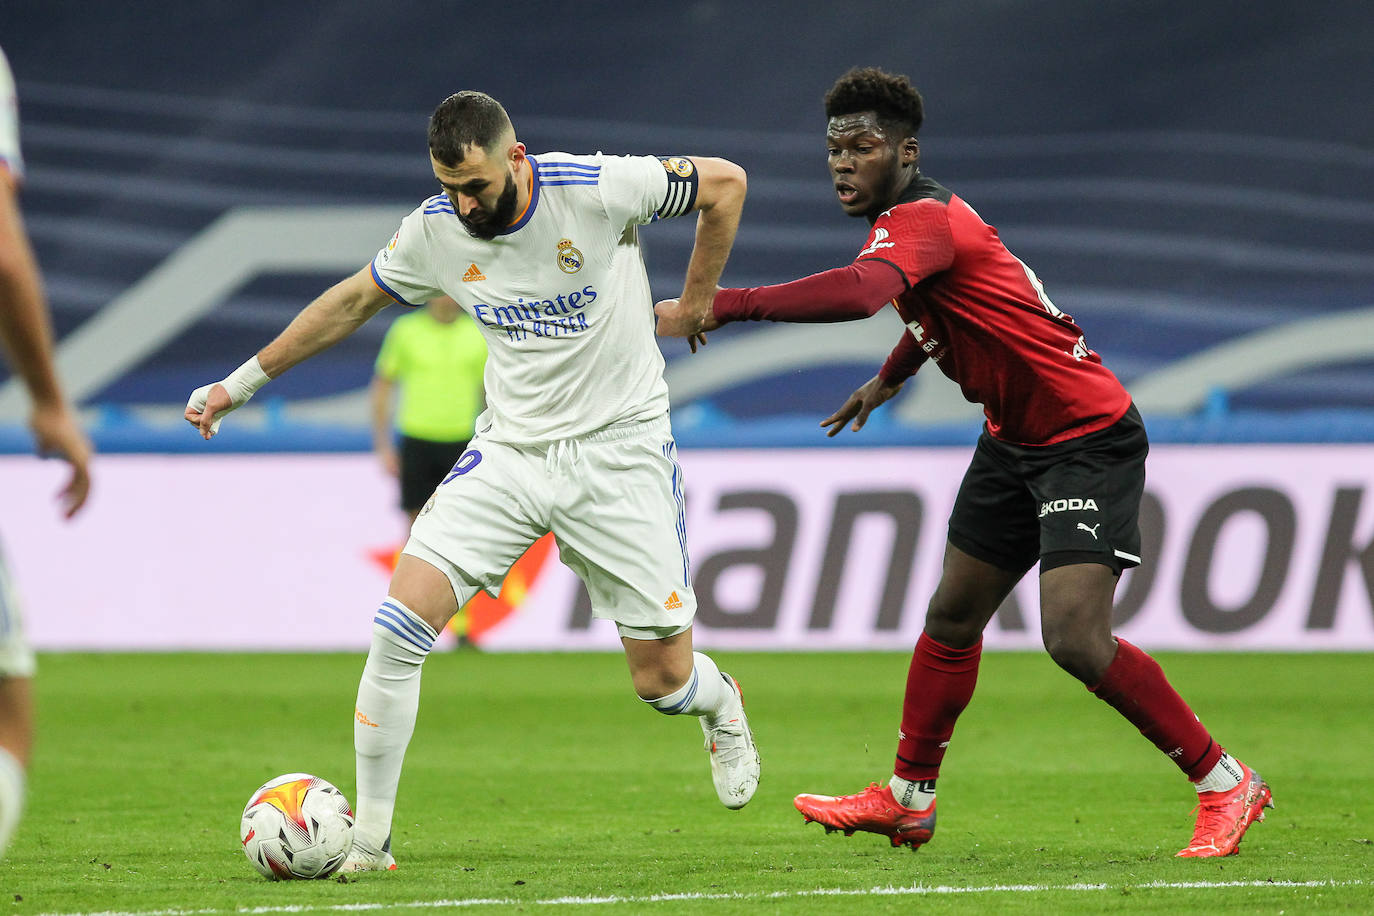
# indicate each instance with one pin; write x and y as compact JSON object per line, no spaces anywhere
{"x":612,"y":499}
{"x":16,"y":658}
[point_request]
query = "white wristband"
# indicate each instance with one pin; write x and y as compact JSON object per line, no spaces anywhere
{"x":244,"y":381}
{"x":239,"y":385}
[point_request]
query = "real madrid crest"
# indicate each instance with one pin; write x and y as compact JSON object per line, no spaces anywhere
{"x":678,"y":165}
{"x":569,"y":258}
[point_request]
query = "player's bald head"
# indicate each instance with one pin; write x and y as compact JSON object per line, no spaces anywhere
{"x":467,"y":119}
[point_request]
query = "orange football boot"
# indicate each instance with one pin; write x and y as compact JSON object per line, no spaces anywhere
{"x":1223,"y":817}
{"x":873,"y":810}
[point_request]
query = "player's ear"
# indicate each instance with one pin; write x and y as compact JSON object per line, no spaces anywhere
{"x":910,"y":152}
{"x":516,"y":152}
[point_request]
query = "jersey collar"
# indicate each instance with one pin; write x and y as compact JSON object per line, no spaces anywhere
{"x":533,"y":202}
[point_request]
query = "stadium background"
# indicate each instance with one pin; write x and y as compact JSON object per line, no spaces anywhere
{"x":1193,"y":182}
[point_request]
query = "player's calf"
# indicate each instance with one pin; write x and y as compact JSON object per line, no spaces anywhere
{"x":716,"y":699}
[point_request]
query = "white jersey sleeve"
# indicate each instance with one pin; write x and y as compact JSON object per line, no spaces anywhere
{"x":404,"y":269}
{"x":642,"y":189}
{"x":10,"y":159}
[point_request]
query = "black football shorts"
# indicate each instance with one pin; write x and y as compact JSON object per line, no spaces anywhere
{"x":424,"y":464}
{"x":1071,"y":502}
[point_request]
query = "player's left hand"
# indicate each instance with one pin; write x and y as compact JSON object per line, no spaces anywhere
{"x":56,"y":432}
{"x":678,"y":320}
{"x":861,"y":403}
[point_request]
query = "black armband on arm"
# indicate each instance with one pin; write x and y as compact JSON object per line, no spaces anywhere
{"x":682,"y":187}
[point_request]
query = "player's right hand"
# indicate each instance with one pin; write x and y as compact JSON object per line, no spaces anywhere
{"x":206,"y":408}
{"x":861,"y":403}
{"x":209,"y":403}
{"x":678,"y":320}
{"x":56,"y":432}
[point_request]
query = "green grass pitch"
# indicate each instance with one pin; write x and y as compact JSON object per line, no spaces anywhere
{"x":538,"y":783}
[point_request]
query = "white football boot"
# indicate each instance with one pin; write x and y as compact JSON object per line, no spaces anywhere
{"x":734,"y":758}
{"x":365,"y":857}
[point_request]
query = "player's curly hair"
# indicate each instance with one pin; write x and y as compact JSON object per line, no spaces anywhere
{"x":464,"y":119}
{"x":896,"y":102}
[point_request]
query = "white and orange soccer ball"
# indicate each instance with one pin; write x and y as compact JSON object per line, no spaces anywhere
{"x":297,"y":826}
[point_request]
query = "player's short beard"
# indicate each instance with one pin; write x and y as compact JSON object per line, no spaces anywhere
{"x":884,"y":193}
{"x":490,"y":224}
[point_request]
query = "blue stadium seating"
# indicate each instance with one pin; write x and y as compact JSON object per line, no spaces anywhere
{"x":1194,"y":183}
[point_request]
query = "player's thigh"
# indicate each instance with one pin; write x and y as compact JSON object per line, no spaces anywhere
{"x":969,"y":593}
{"x":483,"y":515}
{"x":622,"y":529}
{"x":994,"y":515}
{"x":1088,"y":491}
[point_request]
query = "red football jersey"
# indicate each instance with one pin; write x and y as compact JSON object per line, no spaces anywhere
{"x":981,"y":314}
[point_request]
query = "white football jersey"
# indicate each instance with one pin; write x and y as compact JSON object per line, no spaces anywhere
{"x":561,"y":295}
{"x":9,"y":122}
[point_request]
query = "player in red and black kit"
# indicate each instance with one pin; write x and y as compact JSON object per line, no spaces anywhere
{"x":1056,"y":477}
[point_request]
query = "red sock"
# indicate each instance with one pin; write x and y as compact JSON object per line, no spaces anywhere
{"x":939,"y":685}
{"x":1134,"y":685}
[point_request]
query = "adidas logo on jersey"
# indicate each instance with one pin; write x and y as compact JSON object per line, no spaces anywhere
{"x":473,"y":274}
{"x":673,"y":603}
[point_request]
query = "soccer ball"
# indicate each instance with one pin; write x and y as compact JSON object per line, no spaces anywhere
{"x":297,"y":826}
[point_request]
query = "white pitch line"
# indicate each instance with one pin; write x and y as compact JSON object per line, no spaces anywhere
{"x":890,"y":891}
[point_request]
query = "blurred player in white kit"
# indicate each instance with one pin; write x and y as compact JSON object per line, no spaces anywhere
{"x":26,"y":339}
{"x":543,"y":252}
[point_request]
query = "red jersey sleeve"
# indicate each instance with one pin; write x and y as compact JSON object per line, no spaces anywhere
{"x":915,"y":238}
{"x":841,"y":294}
{"x":903,"y":361}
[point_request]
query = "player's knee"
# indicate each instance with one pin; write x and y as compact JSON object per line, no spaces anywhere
{"x":659,"y":681}
{"x":952,"y":623}
{"x":1078,"y":649}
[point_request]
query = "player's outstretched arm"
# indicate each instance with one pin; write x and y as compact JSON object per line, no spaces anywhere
{"x":338,"y":312}
{"x":861,"y":403}
{"x":847,"y":293}
{"x":26,"y":337}
{"x":721,"y":188}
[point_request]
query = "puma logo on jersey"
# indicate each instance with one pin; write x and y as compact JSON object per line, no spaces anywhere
{"x":878,"y":236}
{"x":472,"y":274}
{"x":1092,"y":530}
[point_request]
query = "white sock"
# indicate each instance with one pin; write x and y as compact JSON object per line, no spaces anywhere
{"x":11,"y":796}
{"x":706,"y":693}
{"x":1223,"y":777}
{"x":384,"y":719}
{"x":916,"y":794}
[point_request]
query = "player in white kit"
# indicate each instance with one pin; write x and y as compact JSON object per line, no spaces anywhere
{"x":26,"y":338}
{"x":543,"y":251}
